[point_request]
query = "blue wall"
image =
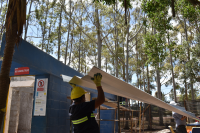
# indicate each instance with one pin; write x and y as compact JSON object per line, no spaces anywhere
{"x":58,"y":106}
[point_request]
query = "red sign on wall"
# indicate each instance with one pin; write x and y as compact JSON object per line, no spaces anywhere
{"x":40,"y":89}
{"x":21,"y":70}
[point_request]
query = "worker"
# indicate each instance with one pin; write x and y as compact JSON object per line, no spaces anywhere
{"x":180,"y":120}
{"x":81,"y":112}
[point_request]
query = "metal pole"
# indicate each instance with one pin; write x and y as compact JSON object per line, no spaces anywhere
{"x":123,"y":118}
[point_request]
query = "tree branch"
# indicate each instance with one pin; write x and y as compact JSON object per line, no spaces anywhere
{"x":136,"y":34}
{"x":120,"y":60}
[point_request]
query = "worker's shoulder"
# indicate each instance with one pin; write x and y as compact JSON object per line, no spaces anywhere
{"x":82,"y":105}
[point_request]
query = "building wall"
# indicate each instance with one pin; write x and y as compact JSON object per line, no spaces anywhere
{"x":58,"y":106}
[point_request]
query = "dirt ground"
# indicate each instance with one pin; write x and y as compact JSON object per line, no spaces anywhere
{"x":155,"y":126}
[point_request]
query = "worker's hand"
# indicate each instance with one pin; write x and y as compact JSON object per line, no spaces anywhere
{"x":184,"y":117}
{"x":97,"y":79}
{"x":73,"y":85}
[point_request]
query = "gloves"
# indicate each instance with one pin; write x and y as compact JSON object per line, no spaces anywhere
{"x":97,"y":79}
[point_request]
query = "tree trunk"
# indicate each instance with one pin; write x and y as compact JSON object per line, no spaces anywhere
{"x":6,"y":65}
{"x":69,"y":29}
{"x":116,"y":44}
{"x":172,"y":69}
{"x":44,"y":28}
{"x":47,"y":48}
{"x":70,"y":54}
{"x":79,"y":51}
{"x":123,"y":65}
{"x":185,"y":78}
{"x":188,"y":52}
{"x":59,"y":35}
{"x":99,"y":37}
{"x":27,"y":22}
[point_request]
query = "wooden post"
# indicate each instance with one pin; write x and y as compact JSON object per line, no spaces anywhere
{"x":150,"y":121}
{"x":131,"y":122}
{"x":136,"y":125}
{"x":143,"y":120}
{"x":123,"y":118}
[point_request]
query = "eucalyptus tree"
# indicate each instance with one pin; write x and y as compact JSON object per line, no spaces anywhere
{"x":157,"y":13}
{"x":189,"y":15}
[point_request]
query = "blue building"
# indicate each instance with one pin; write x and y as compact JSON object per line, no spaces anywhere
{"x":42,"y":65}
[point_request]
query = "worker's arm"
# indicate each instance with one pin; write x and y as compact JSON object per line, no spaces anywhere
{"x":100,"y":98}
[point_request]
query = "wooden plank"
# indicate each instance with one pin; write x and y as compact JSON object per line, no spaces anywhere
{"x":118,"y":87}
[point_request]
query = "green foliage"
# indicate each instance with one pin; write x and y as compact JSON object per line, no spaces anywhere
{"x":188,"y":10}
{"x":157,"y":12}
{"x":155,"y":48}
{"x":107,"y":2}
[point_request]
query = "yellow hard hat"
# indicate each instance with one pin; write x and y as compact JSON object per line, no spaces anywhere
{"x":77,"y":92}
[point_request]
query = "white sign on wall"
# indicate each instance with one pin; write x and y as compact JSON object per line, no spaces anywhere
{"x":41,"y":97}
